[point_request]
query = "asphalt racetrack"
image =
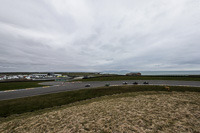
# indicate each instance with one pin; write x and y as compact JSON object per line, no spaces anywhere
{"x":54,"y":87}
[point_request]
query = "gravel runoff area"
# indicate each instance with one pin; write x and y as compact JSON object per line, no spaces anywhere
{"x":130,"y":112}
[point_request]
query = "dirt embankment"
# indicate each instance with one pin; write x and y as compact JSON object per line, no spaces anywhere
{"x":171,"y":112}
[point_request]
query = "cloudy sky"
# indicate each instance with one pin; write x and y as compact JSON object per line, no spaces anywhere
{"x":99,"y":35}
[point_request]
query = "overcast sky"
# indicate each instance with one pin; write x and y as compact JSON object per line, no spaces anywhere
{"x":99,"y":35}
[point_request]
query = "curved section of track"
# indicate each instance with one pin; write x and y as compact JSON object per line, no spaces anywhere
{"x":54,"y":87}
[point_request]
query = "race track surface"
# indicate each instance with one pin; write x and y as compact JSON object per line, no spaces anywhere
{"x":54,"y":87}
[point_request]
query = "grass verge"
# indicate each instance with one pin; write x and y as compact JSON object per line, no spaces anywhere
{"x":30,"y":104}
{"x":122,"y":77}
{"x":19,"y":85}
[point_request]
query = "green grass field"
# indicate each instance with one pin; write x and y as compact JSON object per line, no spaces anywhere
{"x":18,"y":85}
{"x":30,"y":104}
{"x":113,"y":78}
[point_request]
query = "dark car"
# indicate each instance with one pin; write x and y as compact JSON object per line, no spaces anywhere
{"x":146,"y":82}
{"x":87,"y":85}
{"x":125,"y":83}
{"x":135,"y":83}
{"x":107,"y":84}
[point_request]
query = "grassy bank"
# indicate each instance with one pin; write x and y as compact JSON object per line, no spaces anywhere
{"x":18,"y":85}
{"x":121,"y":113}
{"x":122,"y":77}
{"x":30,"y":104}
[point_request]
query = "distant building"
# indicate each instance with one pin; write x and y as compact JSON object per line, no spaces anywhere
{"x":133,"y":74}
{"x":28,"y":77}
{"x":40,"y":75}
{"x":50,"y":74}
{"x":81,"y":77}
{"x":57,"y":75}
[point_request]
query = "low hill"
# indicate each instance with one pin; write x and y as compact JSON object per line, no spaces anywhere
{"x":128,"y":112}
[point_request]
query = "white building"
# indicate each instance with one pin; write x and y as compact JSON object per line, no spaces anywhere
{"x":28,"y":77}
{"x":57,"y":75}
{"x":39,"y":75}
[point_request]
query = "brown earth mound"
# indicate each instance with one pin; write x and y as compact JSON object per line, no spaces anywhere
{"x":169,"y":112}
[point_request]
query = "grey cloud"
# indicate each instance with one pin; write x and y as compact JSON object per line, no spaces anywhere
{"x":99,"y":35}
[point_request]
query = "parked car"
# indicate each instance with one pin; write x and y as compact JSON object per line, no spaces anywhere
{"x":146,"y":82}
{"x":125,"y":83}
{"x":87,"y":85}
{"x":135,"y":83}
{"x":107,"y":84}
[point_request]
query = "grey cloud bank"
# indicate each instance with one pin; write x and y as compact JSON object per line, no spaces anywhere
{"x":87,"y":35}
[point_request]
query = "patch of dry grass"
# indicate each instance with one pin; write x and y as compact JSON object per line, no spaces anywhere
{"x":164,"y":112}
